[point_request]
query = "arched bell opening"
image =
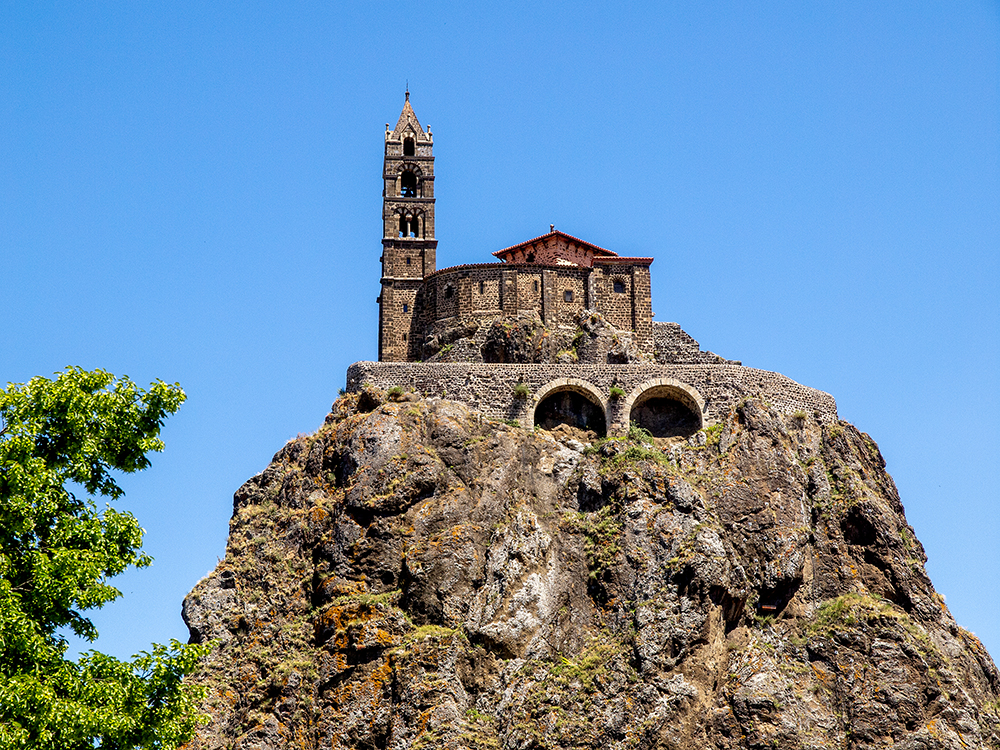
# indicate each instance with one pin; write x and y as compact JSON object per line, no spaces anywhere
{"x":409,"y":226}
{"x":571,"y":405}
{"x":408,"y":185}
{"x":666,"y":411}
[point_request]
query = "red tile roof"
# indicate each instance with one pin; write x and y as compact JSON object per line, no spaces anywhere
{"x":556,"y":233}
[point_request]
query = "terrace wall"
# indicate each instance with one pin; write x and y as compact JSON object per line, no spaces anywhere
{"x":490,"y":388}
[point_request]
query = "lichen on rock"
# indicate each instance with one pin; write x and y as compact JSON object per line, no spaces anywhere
{"x":413,"y":575}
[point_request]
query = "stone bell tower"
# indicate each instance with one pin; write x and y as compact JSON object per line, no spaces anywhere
{"x":408,"y":244}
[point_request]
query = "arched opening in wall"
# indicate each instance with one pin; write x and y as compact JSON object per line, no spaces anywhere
{"x":619,"y":286}
{"x":666,"y":411}
{"x":409,"y":226}
{"x":409,"y":147}
{"x":572,"y":408}
{"x":408,"y":185}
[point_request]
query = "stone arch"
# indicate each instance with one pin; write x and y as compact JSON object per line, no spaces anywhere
{"x":409,"y":166}
{"x":594,"y":418}
{"x":666,"y":407}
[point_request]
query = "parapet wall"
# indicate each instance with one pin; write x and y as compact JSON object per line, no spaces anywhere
{"x":489,"y":388}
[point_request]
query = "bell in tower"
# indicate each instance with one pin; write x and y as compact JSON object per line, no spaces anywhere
{"x":408,"y":244}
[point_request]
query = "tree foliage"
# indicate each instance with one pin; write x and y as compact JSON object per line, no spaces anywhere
{"x":62,"y":440}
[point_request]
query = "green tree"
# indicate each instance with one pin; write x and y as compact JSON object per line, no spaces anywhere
{"x":62,"y":440}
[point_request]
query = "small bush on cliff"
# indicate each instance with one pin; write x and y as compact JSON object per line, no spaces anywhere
{"x":637,"y":434}
{"x":713,"y":434}
{"x":636,"y":453}
{"x":58,"y":438}
{"x":852,"y":609}
{"x":616,"y":392}
{"x":589,"y":666}
{"x":637,"y":445}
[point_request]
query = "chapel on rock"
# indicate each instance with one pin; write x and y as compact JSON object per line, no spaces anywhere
{"x":556,"y":331}
{"x":555,"y":276}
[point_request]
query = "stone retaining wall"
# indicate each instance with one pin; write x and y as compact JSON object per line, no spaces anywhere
{"x":489,"y":388}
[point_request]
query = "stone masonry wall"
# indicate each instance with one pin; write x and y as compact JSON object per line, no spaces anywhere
{"x":490,"y":388}
{"x":404,"y":259}
{"x":642,"y":308}
{"x":674,"y":346}
{"x":396,"y":308}
{"x":528,"y":296}
{"x":556,"y":293}
{"x":616,"y":307}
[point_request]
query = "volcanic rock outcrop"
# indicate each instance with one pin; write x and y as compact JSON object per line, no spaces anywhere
{"x":413,"y":575}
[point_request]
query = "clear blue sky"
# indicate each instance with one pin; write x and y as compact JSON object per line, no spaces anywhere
{"x":191,"y":191}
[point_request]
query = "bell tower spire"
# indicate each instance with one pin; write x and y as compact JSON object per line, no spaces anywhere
{"x":408,"y":244}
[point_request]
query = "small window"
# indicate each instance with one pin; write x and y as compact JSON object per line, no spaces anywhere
{"x":409,"y":147}
{"x":482,"y":287}
{"x":535,"y":285}
{"x":531,"y":257}
{"x":408,"y":263}
{"x":404,"y":337}
{"x":619,"y":286}
{"x":449,"y":291}
{"x":406,"y":307}
{"x":568,"y":295}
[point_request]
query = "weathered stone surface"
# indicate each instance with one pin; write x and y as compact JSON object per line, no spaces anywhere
{"x":525,"y":339}
{"x":415,"y":575}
